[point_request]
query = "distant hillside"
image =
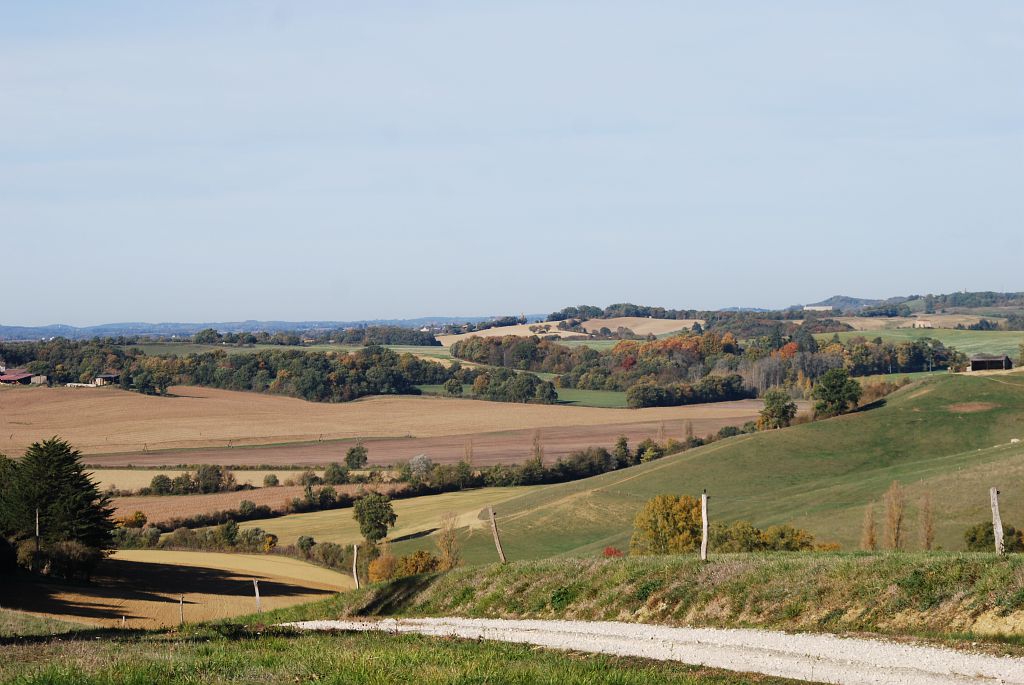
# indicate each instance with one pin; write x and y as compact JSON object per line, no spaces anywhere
{"x":948,"y":436}
{"x":189,"y":329}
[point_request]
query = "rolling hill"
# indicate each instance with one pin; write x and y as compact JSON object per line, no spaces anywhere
{"x":949,"y":436}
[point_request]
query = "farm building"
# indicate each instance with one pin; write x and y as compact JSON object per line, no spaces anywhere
{"x":106,"y":379}
{"x":923,"y":323}
{"x":16,"y":377}
{"x":985,"y":362}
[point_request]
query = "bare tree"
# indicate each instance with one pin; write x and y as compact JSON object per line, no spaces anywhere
{"x":538,"y":447}
{"x":661,"y":432}
{"x":689,"y":431}
{"x":467,"y":449}
{"x":448,"y":541}
{"x":895,"y":506}
{"x":868,"y":540}
{"x":926,"y":522}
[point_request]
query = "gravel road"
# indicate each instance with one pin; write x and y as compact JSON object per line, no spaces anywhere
{"x":821,"y":658}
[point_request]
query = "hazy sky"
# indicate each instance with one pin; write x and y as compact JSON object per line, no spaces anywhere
{"x":300,"y":160}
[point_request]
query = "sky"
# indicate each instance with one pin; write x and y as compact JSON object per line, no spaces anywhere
{"x":222,"y":161}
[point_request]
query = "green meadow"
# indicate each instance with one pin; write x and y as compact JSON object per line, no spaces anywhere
{"x":947,"y":436}
{"x":968,"y":342}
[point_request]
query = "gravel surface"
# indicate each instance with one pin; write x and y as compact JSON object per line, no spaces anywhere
{"x":821,"y":658}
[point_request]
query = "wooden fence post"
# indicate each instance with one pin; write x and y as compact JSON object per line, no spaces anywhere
{"x":181,"y":610}
{"x":997,"y":522}
{"x":494,"y":531}
{"x":704,"y":526}
{"x":256,"y":587}
{"x":355,"y":568}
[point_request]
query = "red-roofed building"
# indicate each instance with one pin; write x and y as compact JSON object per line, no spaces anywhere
{"x":16,"y":377}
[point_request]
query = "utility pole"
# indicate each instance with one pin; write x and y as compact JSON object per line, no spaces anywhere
{"x":35,"y":561}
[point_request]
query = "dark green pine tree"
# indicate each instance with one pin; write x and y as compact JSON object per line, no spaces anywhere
{"x":51,"y":477}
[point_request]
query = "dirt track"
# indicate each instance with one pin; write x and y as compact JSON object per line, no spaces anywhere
{"x":819,"y":658}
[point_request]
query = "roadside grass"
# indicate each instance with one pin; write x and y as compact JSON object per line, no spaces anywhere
{"x":18,"y":623}
{"x":949,"y":596}
{"x":946,"y":436}
{"x":968,"y":342}
{"x":232,"y":654}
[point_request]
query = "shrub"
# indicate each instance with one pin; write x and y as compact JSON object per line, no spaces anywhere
{"x":246,"y":508}
{"x":981,"y":538}
{"x":383,"y":568}
{"x":329,"y":554}
{"x":612,"y":552}
{"x":335,"y":474}
{"x":72,"y":560}
{"x":420,"y":561}
{"x":161,"y":484}
{"x":270,"y":480}
{"x":305,"y":543}
{"x":136,"y":520}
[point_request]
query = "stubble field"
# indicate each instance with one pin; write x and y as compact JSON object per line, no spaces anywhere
{"x":106,"y":422}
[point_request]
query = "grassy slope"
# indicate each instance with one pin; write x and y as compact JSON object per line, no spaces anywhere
{"x":230,"y":654}
{"x":414,"y":515}
{"x":943,"y":595}
{"x":819,"y":476}
{"x":968,"y":342}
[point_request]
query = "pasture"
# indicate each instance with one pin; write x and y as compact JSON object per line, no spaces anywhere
{"x":581,"y":398}
{"x":947,"y":436}
{"x":638,"y":324}
{"x":109,"y":421}
{"x":416,"y":515}
{"x":968,"y":342}
{"x":144,"y":586}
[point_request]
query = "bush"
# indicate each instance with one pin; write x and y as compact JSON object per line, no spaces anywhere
{"x":335,"y":474}
{"x":305,"y":544}
{"x":383,"y":568}
{"x":136,"y":520}
{"x":612,"y":553}
{"x":329,"y":554}
{"x":981,"y":538}
{"x":72,"y":560}
{"x":270,"y":480}
{"x":420,"y":561}
{"x":246,"y":508}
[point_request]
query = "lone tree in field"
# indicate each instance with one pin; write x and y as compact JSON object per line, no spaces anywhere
{"x":868,"y":539}
{"x":667,"y":524}
{"x":357,"y":456}
{"x":50,"y":478}
{"x":453,"y":386}
{"x":779,"y":410}
{"x":835,"y":393}
{"x":895,"y":506}
{"x":375,"y":515}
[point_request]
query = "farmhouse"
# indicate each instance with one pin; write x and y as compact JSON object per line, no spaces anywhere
{"x":106,"y":379}
{"x":986,"y":362}
{"x":16,"y":377}
{"x":923,"y":323}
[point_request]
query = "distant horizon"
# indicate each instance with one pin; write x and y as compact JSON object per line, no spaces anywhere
{"x":456,"y":317}
{"x":236,"y":160}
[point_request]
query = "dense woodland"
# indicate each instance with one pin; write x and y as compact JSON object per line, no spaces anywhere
{"x":706,"y":367}
{"x":314,"y":376}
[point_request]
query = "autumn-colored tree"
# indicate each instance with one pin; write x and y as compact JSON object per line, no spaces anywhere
{"x":895,"y":506}
{"x":448,"y":542}
{"x":667,"y":524}
{"x":868,"y":539}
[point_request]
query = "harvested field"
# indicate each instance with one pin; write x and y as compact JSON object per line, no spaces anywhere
{"x":134,"y":479}
{"x":107,"y":420}
{"x":158,"y":509}
{"x":500,"y":447}
{"x":879,"y":323}
{"x":144,"y":587}
{"x":638,"y":324}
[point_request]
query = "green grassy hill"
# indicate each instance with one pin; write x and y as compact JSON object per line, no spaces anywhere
{"x":968,"y":342}
{"x":948,"y":436}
